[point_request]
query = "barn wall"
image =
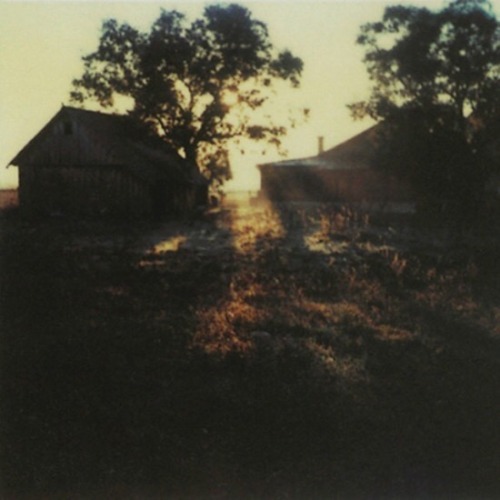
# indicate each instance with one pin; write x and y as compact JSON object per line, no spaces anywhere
{"x":67,"y":142}
{"x":89,"y":190}
{"x":310,"y":184}
{"x":70,"y":170}
{"x":172,"y":198}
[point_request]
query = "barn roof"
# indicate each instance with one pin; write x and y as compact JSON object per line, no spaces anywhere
{"x":128,"y":144}
{"x":354,"y":154}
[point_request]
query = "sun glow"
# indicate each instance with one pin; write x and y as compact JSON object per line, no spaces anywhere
{"x":171,"y":244}
{"x":230,"y":98}
{"x":322,"y":34}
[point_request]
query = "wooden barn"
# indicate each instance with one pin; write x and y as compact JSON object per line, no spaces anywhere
{"x":342,"y":174}
{"x":88,"y":163}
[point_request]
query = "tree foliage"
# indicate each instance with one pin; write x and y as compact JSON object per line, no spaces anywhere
{"x":436,"y":88}
{"x":198,"y":84}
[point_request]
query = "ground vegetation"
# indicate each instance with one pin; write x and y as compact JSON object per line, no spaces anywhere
{"x":274,"y":352}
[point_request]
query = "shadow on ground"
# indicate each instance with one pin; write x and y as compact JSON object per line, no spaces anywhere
{"x":249,"y":362}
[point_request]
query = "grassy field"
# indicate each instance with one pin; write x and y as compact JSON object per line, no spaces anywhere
{"x":287,"y":352}
{"x":8,"y":198}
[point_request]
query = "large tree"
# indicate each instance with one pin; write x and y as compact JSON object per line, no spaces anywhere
{"x":197,"y":84}
{"x":436,"y":88}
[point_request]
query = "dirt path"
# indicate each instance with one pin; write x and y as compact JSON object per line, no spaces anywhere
{"x":236,"y":225}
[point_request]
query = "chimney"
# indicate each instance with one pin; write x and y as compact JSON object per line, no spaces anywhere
{"x":320,"y":144}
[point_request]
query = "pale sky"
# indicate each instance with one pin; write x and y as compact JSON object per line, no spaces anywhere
{"x":41,"y":44}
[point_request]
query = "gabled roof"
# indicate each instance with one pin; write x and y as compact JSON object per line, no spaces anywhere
{"x":354,"y":154}
{"x":128,"y":143}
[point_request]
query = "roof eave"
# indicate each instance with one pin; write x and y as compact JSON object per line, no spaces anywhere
{"x":17,"y":160}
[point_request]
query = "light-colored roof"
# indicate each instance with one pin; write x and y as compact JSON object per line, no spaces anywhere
{"x":311,"y":161}
{"x":356,"y":153}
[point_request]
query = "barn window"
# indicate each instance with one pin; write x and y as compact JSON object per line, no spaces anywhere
{"x":68,"y":128}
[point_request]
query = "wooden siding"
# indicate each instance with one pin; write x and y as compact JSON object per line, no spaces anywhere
{"x":73,"y":146}
{"x":71,"y":168}
{"x":91,"y":190}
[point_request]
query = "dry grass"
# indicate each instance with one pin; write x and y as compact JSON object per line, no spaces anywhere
{"x":299,"y":356}
{"x":9,"y":199}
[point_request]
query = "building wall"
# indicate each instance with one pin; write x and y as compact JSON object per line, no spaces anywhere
{"x":314,"y":184}
{"x":87,"y":190}
{"x":66,"y":142}
{"x":170,"y":198}
{"x":71,"y":170}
